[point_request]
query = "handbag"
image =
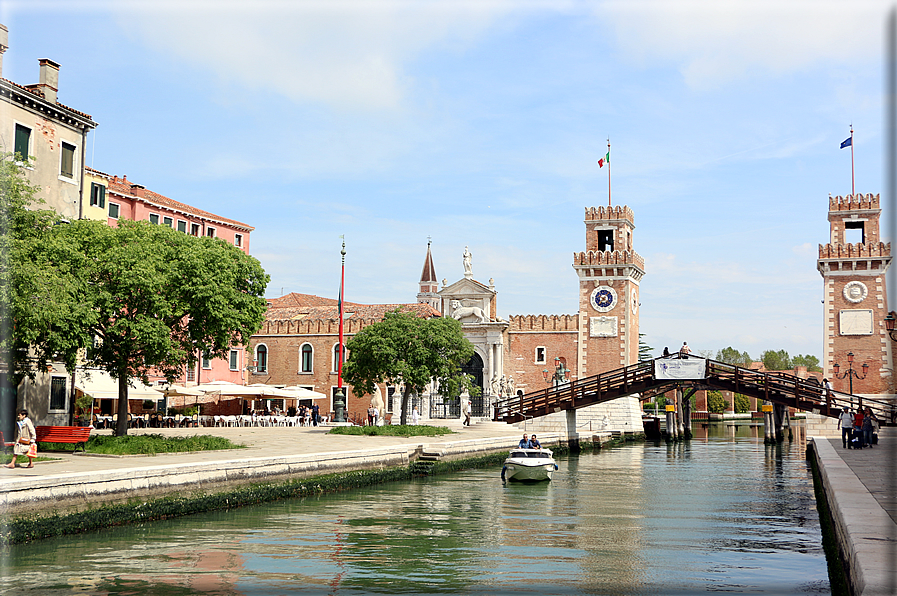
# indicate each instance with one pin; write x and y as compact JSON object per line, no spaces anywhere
{"x":24,"y":441}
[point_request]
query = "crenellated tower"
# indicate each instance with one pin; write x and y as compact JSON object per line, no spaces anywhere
{"x":609,"y":273}
{"x":853,"y":266}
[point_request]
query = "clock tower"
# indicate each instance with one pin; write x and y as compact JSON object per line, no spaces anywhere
{"x":853,"y":266}
{"x":609,"y":273}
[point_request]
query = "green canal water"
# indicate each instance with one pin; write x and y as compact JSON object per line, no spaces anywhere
{"x":722,"y":513}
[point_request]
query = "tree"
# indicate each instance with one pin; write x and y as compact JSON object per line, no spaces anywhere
{"x":645,"y":352}
{"x":773,"y":360}
{"x":732,"y":356}
{"x":811,"y":362}
{"x":150,"y":299}
{"x":404,"y":348}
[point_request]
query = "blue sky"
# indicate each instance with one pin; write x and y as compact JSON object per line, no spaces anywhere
{"x":479,"y":124}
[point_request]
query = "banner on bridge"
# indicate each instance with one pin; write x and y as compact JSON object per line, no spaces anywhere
{"x":675,"y":369}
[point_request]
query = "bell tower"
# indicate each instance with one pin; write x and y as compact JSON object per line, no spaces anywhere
{"x":853,"y":266}
{"x":429,"y":286}
{"x":609,"y":273}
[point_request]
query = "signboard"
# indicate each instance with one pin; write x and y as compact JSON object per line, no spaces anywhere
{"x":676,"y":369}
{"x":855,"y":321}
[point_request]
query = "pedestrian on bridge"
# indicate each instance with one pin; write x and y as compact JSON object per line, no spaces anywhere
{"x":684,"y":351}
{"x":845,"y":420}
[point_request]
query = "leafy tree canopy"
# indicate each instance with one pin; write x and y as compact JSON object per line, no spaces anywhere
{"x":138,"y":298}
{"x":811,"y":362}
{"x":645,"y":352}
{"x":776,"y":360}
{"x":732,"y":356}
{"x":404,"y":348}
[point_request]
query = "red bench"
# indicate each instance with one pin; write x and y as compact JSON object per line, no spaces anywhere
{"x":5,"y":444}
{"x":64,"y":434}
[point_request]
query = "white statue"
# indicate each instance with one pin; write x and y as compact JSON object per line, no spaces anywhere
{"x":496,"y":385}
{"x":377,"y":402}
{"x":459,"y":312}
{"x":467,"y":270}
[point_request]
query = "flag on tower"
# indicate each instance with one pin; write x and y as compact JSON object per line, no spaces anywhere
{"x":604,"y":160}
{"x":848,"y":142}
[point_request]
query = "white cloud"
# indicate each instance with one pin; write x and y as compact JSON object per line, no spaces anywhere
{"x":716,"y":41}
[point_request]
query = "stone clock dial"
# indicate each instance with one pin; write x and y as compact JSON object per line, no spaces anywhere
{"x":603,"y":298}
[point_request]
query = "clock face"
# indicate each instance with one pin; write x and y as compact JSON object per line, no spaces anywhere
{"x":603,"y":298}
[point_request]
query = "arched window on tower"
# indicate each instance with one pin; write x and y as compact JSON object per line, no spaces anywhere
{"x":605,"y":240}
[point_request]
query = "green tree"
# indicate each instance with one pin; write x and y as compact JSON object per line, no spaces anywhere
{"x":149,"y":299}
{"x":716,"y":403}
{"x":811,"y":362}
{"x":645,"y":352}
{"x":404,"y":348}
{"x":742,"y":403}
{"x":774,"y":360}
{"x":732,"y":356}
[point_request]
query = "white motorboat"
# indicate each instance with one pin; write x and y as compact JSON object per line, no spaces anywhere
{"x":529,"y":464}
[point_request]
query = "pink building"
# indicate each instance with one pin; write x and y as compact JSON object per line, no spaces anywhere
{"x":112,"y":198}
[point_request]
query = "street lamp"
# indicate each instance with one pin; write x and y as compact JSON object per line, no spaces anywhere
{"x":560,"y":374}
{"x":850,"y":374}
{"x":890,"y":323}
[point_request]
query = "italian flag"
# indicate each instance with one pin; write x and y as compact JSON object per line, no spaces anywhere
{"x":604,"y":160}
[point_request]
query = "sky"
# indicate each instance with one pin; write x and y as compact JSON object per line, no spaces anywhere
{"x":479,"y":124}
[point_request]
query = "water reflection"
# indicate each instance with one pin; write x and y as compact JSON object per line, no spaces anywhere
{"x":720,"y":513}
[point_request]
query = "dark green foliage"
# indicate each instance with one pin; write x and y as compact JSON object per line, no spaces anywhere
{"x":645,"y":352}
{"x":732,"y":356}
{"x":393,"y":430}
{"x":153,"y":444}
{"x":811,"y":362}
{"x":716,"y":403}
{"x":776,"y":360}
{"x":742,"y":404}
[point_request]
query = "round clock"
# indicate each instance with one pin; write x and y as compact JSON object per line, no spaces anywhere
{"x":855,"y":292}
{"x":603,"y":298}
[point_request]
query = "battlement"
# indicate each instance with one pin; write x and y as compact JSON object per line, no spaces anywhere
{"x":314,"y":326}
{"x":610,"y":213}
{"x":606,"y":257}
{"x":543,"y":323}
{"x":855,"y":251}
{"x":854,"y":202}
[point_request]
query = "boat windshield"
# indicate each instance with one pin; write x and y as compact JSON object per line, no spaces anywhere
{"x":528,"y":454}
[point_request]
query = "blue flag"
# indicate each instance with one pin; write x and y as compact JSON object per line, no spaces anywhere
{"x":847,"y":143}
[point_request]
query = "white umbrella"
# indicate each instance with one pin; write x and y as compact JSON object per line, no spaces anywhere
{"x":297,"y":392}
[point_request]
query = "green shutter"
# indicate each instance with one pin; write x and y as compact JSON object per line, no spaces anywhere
{"x":23,"y":138}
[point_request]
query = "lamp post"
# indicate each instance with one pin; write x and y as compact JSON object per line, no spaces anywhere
{"x":850,"y":374}
{"x":559,"y":377}
{"x":890,"y":323}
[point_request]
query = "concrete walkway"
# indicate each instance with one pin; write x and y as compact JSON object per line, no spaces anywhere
{"x":860,"y":489}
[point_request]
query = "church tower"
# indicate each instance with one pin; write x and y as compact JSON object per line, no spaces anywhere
{"x":853,"y":266}
{"x":429,"y":286}
{"x":609,"y":273}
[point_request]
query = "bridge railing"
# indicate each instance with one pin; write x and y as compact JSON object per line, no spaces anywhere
{"x":777,"y":387}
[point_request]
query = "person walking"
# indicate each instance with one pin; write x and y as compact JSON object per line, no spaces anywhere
{"x":827,"y":389}
{"x":845,"y":421}
{"x":467,"y":413}
{"x":684,"y":351}
{"x":315,"y":414}
{"x":415,"y":417}
{"x":26,"y":440}
{"x":858,"y":428}
{"x":868,"y":427}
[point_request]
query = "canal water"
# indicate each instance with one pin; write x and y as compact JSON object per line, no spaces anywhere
{"x":721,"y":513}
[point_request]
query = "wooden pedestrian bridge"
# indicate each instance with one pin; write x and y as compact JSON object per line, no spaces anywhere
{"x":654,"y":377}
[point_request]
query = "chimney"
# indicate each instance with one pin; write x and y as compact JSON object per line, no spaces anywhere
{"x":49,"y":79}
{"x":4,"y":45}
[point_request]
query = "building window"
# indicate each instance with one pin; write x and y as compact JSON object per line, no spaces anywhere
{"x":182,"y":226}
{"x":261,"y":358}
{"x":97,"y":195}
{"x":67,"y":160}
{"x":57,"y":393}
{"x":336,"y":357}
{"x":540,"y":355}
{"x":210,"y":232}
{"x":167,"y":221}
{"x":307,"y":358}
{"x":23,"y":142}
{"x":154,"y":218}
{"x":238,"y":239}
{"x":113,"y":210}
{"x":206,"y":361}
{"x":194,"y":229}
{"x":191,"y":374}
{"x":233,"y":359}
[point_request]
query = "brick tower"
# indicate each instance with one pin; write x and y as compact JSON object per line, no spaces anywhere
{"x":609,"y":272}
{"x":856,"y":300}
{"x":429,"y":286}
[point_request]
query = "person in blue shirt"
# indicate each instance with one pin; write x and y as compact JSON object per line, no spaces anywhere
{"x":524,"y":442}
{"x":534,"y":443}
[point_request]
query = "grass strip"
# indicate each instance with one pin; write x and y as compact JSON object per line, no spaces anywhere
{"x":393,"y":430}
{"x":146,"y":444}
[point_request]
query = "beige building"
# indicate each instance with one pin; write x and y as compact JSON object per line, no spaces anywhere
{"x":50,"y":135}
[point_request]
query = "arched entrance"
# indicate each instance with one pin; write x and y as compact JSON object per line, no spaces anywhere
{"x":474,"y":368}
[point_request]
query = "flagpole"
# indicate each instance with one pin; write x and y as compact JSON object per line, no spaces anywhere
{"x":608,"y":172}
{"x":339,"y":360}
{"x":852,"y":187}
